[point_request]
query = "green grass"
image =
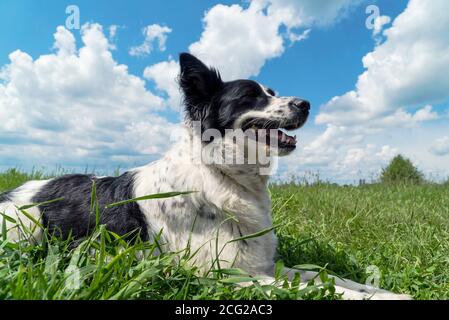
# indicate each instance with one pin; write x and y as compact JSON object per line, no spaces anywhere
{"x":403,"y":230}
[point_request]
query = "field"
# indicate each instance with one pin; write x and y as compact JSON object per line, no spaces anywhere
{"x":398,"y":234}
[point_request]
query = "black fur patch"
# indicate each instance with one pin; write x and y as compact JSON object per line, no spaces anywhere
{"x":206,"y":214}
{"x":4,"y":197}
{"x":72,"y":214}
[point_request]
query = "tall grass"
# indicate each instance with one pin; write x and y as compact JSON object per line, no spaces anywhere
{"x":106,"y":266}
{"x":400,"y":229}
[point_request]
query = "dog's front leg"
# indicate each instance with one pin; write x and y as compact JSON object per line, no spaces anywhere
{"x":349,"y":289}
{"x":347,"y":294}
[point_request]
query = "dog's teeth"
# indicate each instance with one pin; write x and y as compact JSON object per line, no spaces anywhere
{"x":284,"y":137}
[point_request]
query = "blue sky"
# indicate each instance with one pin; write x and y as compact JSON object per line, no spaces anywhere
{"x":327,"y":63}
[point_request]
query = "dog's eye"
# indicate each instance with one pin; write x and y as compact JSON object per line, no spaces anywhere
{"x":271,"y":92}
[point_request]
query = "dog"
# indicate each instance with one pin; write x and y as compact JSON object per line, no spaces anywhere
{"x":220,"y":189}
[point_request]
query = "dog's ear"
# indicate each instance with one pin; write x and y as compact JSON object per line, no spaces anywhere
{"x":199,"y":84}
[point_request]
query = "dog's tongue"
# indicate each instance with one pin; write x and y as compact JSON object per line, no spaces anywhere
{"x":285,"y":138}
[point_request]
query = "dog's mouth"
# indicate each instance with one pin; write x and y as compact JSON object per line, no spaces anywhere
{"x":272,"y":132}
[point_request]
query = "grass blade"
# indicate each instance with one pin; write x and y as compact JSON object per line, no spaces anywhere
{"x":256,"y":234}
{"x":29,"y":206}
{"x":149,"y":197}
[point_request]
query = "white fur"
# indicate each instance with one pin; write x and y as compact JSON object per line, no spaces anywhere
{"x":277,"y":109}
{"x":18,"y":198}
{"x":218,"y":194}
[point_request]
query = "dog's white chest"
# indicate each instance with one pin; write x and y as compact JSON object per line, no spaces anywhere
{"x":208,"y":220}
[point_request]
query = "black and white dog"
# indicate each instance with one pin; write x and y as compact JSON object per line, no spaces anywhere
{"x":221,"y":188}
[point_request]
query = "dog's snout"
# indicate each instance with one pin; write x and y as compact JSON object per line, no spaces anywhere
{"x":302,"y":105}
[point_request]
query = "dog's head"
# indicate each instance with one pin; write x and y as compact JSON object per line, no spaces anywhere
{"x":239,"y":104}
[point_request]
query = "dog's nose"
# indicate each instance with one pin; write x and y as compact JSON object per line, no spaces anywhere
{"x":302,"y":105}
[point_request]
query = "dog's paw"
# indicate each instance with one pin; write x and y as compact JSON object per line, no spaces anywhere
{"x":389,"y":296}
{"x":371,"y":294}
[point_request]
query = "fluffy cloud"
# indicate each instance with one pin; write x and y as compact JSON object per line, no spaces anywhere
{"x":366,"y":158}
{"x":154,"y":33}
{"x":77,"y":104}
{"x":404,"y":119}
{"x":440,"y":147}
{"x":341,"y":153}
{"x":309,"y":13}
{"x":379,"y":24}
{"x":348,"y":165}
{"x":408,"y":70}
{"x":240,"y":40}
{"x":405,"y":75}
{"x":164,"y":74}
{"x":112,"y":37}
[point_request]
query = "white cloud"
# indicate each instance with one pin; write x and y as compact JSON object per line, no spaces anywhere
{"x":440,"y":147}
{"x":165,"y":74}
{"x":404,"y":119}
{"x":344,"y":163}
{"x":425,"y":114}
{"x":342,"y":153}
{"x":64,"y":41}
{"x":367,"y":157}
{"x":113,"y":31}
{"x":404,"y":76}
{"x":77,"y":106}
{"x":309,"y":13}
{"x":240,"y":40}
{"x":409,"y":69}
{"x":379,"y":23}
{"x":112,"y":37}
{"x":154,"y":33}
{"x":295,"y":37}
